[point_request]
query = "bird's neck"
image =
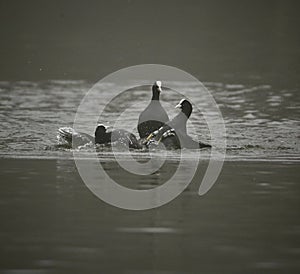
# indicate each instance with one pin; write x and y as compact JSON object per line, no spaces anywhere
{"x":187,"y":113}
{"x":155,"y":96}
{"x":103,"y":138}
{"x":180,"y":121}
{"x":183,"y":117}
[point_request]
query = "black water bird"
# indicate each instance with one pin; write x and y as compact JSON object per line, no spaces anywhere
{"x":68,"y":136}
{"x":154,"y":116}
{"x":174,"y":133}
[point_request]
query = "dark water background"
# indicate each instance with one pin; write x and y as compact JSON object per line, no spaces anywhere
{"x":51,"y":223}
{"x":213,"y":40}
{"x":246,"y":53}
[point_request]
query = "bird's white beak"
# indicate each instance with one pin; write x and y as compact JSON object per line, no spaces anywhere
{"x":178,"y":106}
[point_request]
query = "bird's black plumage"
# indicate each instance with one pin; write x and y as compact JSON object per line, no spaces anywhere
{"x":120,"y":136}
{"x":154,"y":116}
{"x":71,"y":138}
{"x":174,"y":134}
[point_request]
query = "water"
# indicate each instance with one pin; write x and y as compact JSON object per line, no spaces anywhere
{"x":262,"y":121}
{"x":248,"y":54}
{"x":247,"y":223}
{"x":51,"y":223}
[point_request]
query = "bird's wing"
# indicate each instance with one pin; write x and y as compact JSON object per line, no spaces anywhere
{"x":72,"y":137}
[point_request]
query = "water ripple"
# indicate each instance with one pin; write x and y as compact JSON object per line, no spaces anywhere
{"x":261,"y":121}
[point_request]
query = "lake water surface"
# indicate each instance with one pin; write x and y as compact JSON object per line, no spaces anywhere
{"x":262,"y":121}
{"x":247,"y":223}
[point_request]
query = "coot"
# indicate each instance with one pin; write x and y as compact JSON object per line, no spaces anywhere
{"x":68,"y":135}
{"x":174,"y":134}
{"x":154,"y":116}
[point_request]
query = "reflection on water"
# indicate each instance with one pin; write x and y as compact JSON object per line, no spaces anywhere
{"x":51,"y":223}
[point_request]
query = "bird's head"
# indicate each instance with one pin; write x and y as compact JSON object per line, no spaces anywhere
{"x":101,"y":129}
{"x":186,"y":107}
{"x":156,"y":90}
